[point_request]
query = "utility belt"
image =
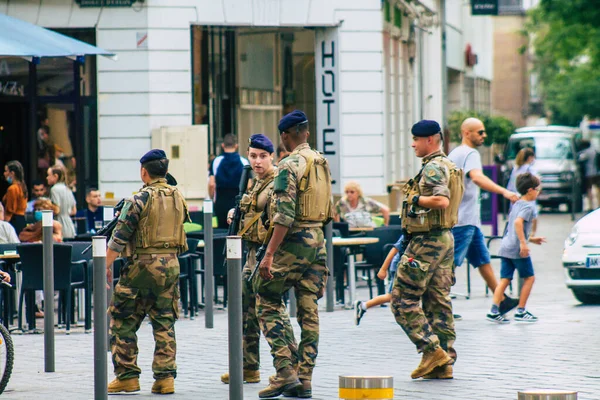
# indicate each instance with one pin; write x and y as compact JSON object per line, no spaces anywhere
{"x":307,"y":225}
{"x":157,"y":250}
{"x":431,"y":231}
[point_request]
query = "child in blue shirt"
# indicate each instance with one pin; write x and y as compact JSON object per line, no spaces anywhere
{"x":390,"y":263}
{"x":514,"y":251}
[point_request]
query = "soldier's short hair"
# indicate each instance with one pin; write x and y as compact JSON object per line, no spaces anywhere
{"x":157,"y":168}
{"x":527,"y":181}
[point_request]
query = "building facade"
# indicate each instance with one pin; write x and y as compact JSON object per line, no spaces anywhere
{"x":363,"y":70}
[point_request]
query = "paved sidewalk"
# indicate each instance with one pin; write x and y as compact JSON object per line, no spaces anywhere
{"x":494,"y":362}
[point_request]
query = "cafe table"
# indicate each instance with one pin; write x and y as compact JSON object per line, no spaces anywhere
{"x":353,"y":244}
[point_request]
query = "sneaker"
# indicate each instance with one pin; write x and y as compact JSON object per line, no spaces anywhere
{"x":358,"y":312}
{"x":497,"y":318}
{"x":457,"y":317}
{"x":525,"y":317}
{"x":507,"y":304}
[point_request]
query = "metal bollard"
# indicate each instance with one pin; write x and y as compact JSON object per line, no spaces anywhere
{"x":292,"y":309}
{"x":547,"y":395}
{"x":366,"y":387}
{"x":100,"y":320}
{"x":48,"y":258}
{"x":330,"y":297}
{"x":208,"y":264}
{"x":234,"y":315}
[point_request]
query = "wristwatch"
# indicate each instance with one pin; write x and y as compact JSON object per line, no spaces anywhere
{"x":415,"y":199}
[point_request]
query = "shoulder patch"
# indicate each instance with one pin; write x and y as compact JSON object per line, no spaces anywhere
{"x":281,"y":181}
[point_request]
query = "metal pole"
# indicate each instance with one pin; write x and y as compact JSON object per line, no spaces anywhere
{"x":208,"y":264}
{"x":292,"y":305}
{"x":100,"y":321}
{"x":48,"y":258}
{"x":234,"y":314}
{"x":351,"y":280}
{"x":329,"y":246}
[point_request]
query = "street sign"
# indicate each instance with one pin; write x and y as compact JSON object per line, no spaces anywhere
{"x":105,"y":3}
{"x":484,"y":7}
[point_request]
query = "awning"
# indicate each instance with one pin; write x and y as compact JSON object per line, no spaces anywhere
{"x":22,"y":39}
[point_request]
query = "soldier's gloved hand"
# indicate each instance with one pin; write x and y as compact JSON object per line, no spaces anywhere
{"x":264,"y":268}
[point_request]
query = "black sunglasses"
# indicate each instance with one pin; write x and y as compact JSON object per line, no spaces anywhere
{"x":481,"y":132}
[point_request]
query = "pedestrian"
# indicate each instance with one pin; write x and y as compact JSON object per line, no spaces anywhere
{"x":15,"y":199}
{"x":514,"y":251}
{"x":358,"y":210}
{"x":7,"y":231}
{"x":389,"y":264}
{"x":253,"y":232}
{"x":295,"y":257}
{"x":590,"y":158}
{"x":63,"y":197}
{"x":469,"y":241}
{"x":150,"y":234}
{"x":225,"y":174}
{"x":524,"y":163}
{"x":38,"y":189}
{"x":421,"y":294}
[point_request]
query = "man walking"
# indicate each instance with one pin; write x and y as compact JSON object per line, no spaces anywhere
{"x":468,"y":238}
{"x":421,"y":293}
{"x":295,"y":257}
{"x":224,"y":181}
{"x":150,"y":234}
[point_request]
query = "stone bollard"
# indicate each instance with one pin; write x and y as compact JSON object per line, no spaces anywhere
{"x":547,"y":395}
{"x":366,"y":387}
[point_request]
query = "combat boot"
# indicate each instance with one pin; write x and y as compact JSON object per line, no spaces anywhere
{"x":286,"y":379}
{"x":443,"y":372}
{"x":250,"y":376}
{"x":301,"y":392}
{"x":430,"y":360}
{"x":164,"y":385}
{"x":130,"y":385}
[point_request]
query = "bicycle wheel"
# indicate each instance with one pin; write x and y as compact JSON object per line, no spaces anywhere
{"x":7,"y":356}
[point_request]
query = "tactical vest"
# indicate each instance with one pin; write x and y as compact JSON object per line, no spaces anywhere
{"x":252,"y":204}
{"x":160,"y":229}
{"x":314,"y":202}
{"x":417,"y":219}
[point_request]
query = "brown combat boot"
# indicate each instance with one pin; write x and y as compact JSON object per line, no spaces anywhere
{"x":250,"y":376}
{"x":130,"y":385}
{"x":164,"y":386}
{"x":301,"y":392}
{"x":286,"y":379}
{"x":443,"y":372}
{"x":430,"y":361}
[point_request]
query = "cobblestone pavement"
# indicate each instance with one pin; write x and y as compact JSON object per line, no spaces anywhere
{"x":494,"y":362}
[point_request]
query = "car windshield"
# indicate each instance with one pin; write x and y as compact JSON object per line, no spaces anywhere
{"x":545,"y":147}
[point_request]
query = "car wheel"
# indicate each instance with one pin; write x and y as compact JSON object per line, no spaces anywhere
{"x":586,"y":297}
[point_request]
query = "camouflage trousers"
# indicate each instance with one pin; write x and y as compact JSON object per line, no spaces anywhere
{"x":147,"y":286}
{"x":421,"y":294}
{"x":300,"y":262}
{"x":251,"y":327}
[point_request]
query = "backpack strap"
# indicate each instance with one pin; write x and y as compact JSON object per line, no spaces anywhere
{"x":304,"y":180}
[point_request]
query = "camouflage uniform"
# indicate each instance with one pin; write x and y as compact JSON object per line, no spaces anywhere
{"x":148,"y":285}
{"x":257,"y":198}
{"x":299,"y":262}
{"x":426,"y":273}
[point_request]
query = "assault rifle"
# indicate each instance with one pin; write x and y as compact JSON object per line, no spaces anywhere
{"x":107,"y":231}
{"x":262,"y":250}
{"x":237,"y":212}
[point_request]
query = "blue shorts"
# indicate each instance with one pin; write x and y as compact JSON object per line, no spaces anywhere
{"x":470,"y":243}
{"x":392,"y":278}
{"x":523,"y":265}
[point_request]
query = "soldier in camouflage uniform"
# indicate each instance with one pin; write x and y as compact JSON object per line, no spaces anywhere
{"x":421,"y":293}
{"x":150,"y":234}
{"x":254,"y":233}
{"x":295,"y":257}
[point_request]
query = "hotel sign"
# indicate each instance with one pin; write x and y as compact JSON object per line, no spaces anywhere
{"x":327,"y":66}
{"x":105,"y":3}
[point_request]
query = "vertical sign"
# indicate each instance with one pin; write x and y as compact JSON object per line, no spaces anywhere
{"x":327,"y":67}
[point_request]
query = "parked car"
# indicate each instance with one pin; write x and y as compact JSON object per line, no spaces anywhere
{"x":581,"y":259}
{"x":555,"y":160}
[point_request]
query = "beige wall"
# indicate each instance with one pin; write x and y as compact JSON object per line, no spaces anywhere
{"x":510,"y":89}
